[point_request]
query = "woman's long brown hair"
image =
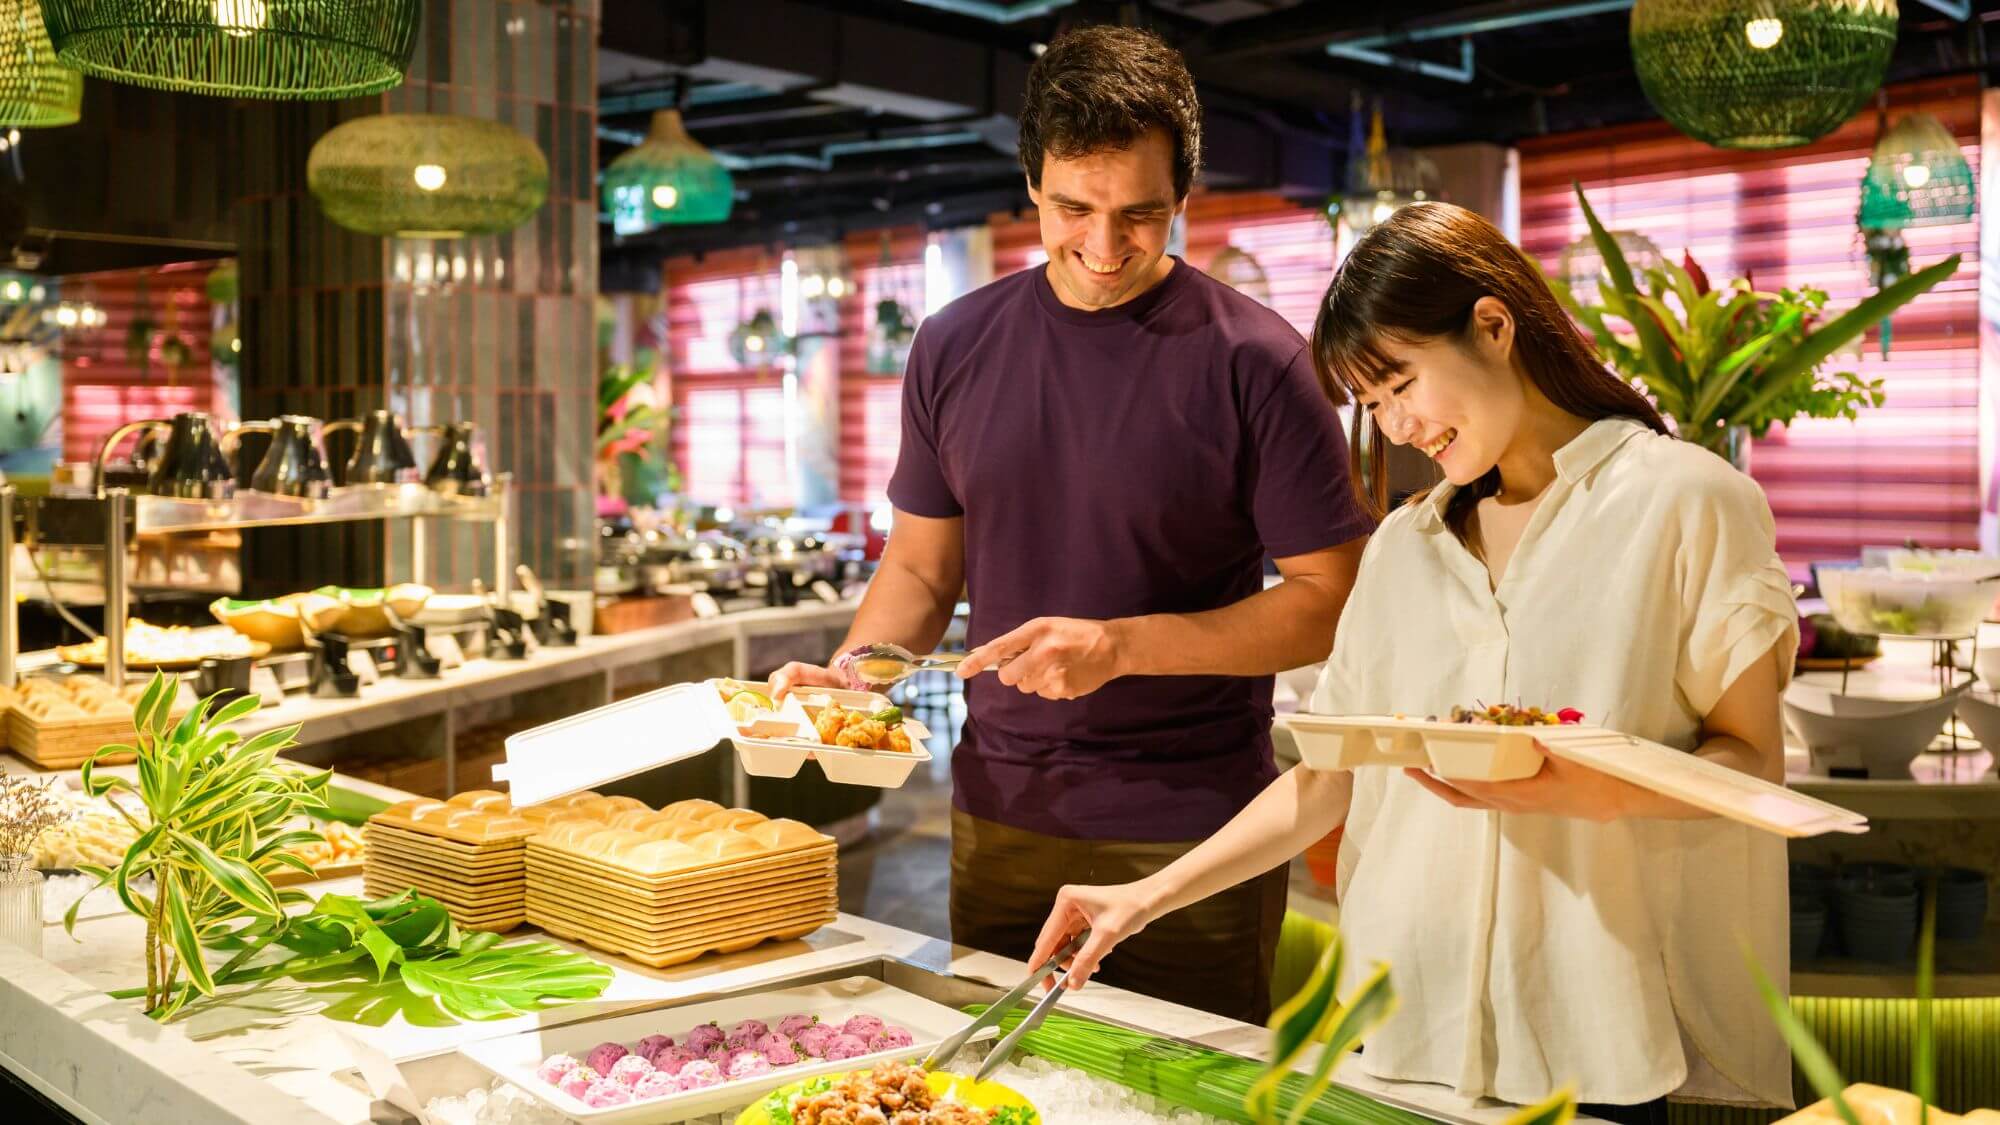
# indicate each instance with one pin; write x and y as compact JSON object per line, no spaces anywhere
{"x":1414,"y":278}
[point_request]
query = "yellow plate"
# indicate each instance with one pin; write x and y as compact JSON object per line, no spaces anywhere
{"x":978,"y":1095}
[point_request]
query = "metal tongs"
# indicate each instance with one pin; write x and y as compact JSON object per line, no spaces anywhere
{"x":998,"y":1010}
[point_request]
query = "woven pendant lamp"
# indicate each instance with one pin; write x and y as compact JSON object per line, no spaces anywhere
{"x":1385,"y":180}
{"x":423,"y":175}
{"x":285,"y":49}
{"x":36,"y":91}
{"x":666,"y":178}
{"x":1916,"y":177}
{"x":1758,"y":74}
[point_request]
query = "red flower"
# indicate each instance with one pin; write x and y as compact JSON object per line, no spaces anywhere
{"x":1569,"y":716}
{"x":1695,"y":272}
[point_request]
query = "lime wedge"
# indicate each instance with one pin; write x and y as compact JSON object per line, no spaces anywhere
{"x":744,"y":705}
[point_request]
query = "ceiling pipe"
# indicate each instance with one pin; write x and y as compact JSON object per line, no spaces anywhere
{"x":1369,"y":48}
{"x":993,"y":12}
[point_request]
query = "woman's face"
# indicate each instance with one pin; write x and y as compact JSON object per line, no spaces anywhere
{"x":1458,"y":401}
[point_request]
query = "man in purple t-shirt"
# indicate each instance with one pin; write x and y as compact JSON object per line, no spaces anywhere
{"x":1101,"y":453}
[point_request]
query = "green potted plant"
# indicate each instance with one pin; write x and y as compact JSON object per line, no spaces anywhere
{"x":1727,"y":362}
{"x":219,"y":812}
{"x":632,"y":467}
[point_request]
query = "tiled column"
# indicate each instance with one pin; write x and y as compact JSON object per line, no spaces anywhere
{"x":495,"y":330}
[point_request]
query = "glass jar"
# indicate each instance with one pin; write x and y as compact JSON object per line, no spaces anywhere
{"x":21,"y":903}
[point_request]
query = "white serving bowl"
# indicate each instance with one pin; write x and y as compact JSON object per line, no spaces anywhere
{"x":1886,"y":602}
{"x":1881,"y":735}
{"x":1980,"y":711}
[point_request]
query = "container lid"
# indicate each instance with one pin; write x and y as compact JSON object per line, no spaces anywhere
{"x":610,"y":742}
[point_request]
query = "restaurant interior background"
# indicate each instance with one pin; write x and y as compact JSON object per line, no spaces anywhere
{"x":642,"y":380}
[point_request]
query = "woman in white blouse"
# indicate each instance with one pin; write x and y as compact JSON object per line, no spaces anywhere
{"x":1568,"y":928}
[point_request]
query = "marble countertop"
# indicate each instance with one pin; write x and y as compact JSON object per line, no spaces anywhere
{"x":268,"y":1054}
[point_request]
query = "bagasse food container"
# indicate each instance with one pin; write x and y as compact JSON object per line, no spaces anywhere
{"x":651,"y":730}
{"x":516,"y":1057}
{"x":1483,"y":752}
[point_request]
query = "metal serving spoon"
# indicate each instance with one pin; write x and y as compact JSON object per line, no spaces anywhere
{"x":883,"y":665}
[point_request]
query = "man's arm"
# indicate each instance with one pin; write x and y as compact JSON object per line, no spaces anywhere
{"x":909,"y":601}
{"x":1287,"y":626}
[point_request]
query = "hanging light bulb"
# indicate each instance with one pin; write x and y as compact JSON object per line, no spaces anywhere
{"x":429,"y":177}
{"x":1382,"y":181}
{"x":239,"y":19}
{"x":666,"y":196}
{"x":1764,"y":33}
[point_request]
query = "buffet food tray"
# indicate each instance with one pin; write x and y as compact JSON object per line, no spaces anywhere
{"x":516,"y":1057}
{"x":1484,"y":752}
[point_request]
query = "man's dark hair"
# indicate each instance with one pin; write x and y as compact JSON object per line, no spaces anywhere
{"x":1097,"y":89}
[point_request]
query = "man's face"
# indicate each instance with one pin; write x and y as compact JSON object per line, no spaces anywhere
{"x":1105,"y":218}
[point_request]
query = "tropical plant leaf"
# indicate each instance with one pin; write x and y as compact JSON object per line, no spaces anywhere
{"x":1806,"y":1051}
{"x":1731,"y":369}
{"x":1923,"y":1054}
{"x":181,"y":933}
{"x":1830,"y":338}
{"x":1652,"y":342}
{"x":1364,"y":1011}
{"x":506,"y":981}
{"x":235,"y":879}
{"x":1559,"y":1109}
{"x":1293,"y":1026}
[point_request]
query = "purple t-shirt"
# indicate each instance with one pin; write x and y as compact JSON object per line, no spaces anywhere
{"x":1142,"y":459}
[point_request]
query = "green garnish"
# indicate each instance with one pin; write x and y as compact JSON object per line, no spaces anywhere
{"x":888,"y":716}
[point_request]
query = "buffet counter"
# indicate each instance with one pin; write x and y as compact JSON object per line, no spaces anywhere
{"x":271,"y":1056}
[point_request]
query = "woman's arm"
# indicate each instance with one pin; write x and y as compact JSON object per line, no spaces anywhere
{"x":1300,"y":807}
{"x":1743,"y":731}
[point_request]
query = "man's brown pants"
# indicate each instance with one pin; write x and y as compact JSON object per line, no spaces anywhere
{"x":1215,"y":955}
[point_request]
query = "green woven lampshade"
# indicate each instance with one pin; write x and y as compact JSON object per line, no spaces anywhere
{"x":35,"y":89}
{"x":305,"y":49}
{"x":1917,"y":177}
{"x":666,"y":178}
{"x":1757,"y":74}
{"x":420,"y":175}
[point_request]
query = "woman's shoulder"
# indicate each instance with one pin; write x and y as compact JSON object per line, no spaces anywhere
{"x":1685,"y":475}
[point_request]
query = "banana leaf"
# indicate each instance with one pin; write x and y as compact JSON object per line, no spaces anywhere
{"x":1814,"y":349}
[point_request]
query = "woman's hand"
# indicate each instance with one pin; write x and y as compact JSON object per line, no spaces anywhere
{"x":1112,"y":914}
{"x":1559,"y":788}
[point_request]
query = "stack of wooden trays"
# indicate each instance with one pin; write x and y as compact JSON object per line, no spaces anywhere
{"x":466,"y":852}
{"x":58,"y":723}
{"x":666,"y":887}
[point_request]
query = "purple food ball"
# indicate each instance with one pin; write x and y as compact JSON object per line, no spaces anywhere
{"x":746,"y":1033}
{"x":652,"y":1045}
{"x":698,"y":1074}
{"x":603,"y":1055}
{"x":554,"y":1067}
{"x":845,"y":1046}
{"x":791,"y":1025}
{"x":604,"y":1092}
{"x":628,"y":1070}
{"x":672,"y":1059}
{"x":890,"y":1038}
{"x":702,"y":1039}
{"x":658,"y":1084}
{"x":813,"y":1040}
{"x":777,"y":1049}
{"x":577,"y":1081}
{"x":749,"y":1065}
{"x":863,"y":1027}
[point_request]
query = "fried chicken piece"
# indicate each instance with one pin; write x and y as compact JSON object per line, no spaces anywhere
{"x":955,"y":1113}
{"x":831,"y":720}
{"x":868,"y":734}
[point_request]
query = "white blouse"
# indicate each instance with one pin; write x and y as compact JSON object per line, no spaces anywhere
{"x":1534,"y":951}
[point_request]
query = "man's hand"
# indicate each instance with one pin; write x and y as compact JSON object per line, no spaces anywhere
{"x":1053,"y":657}
{"x":798,"y":675}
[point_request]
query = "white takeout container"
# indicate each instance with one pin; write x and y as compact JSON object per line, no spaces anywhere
{"x":1483,"y":752}
{"x":657,"y":728}
{"x":515,"y":1058}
